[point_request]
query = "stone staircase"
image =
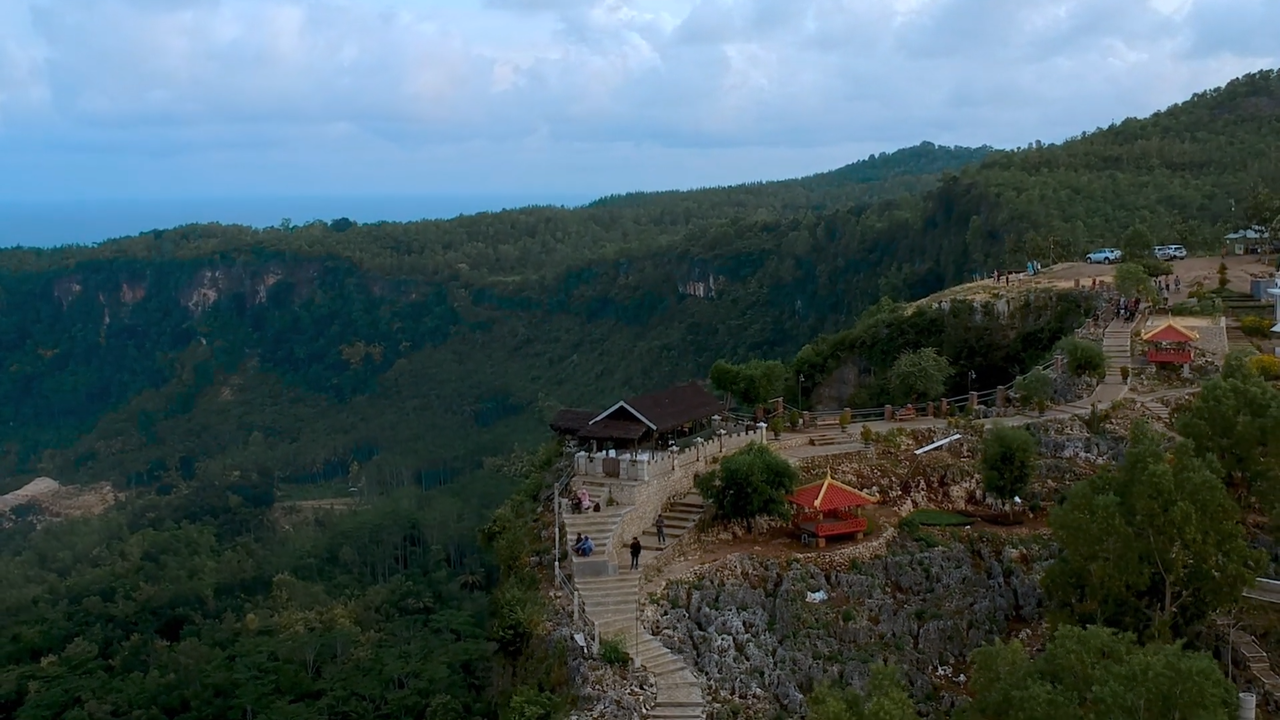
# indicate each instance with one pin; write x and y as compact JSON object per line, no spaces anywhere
{"x":1118,"y":347}
{"x":599,"y":526}
{"x":681,"y":517}
{"x":1157,"y":408}
{"x":1236,"y":339}
{"x":613,"y":604}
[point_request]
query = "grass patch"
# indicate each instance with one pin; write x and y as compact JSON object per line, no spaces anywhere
{"x":613,"y":651}
{"x":927,"y":517}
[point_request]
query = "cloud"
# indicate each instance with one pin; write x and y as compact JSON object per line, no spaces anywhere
{"x":610,"y":80}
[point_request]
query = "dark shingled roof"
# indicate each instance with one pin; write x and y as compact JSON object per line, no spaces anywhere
{"x":571,"y":421}
{"x":669,"y":409}
{"x":609,"y":429}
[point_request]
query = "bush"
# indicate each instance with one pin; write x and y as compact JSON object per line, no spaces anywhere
{"x":1034,"y":389}
{"x":1084,"y":358}
{"x":613,"y":651}
{"x":1267,"y":366}
{"x":1256,"y":326}
{"x":1008,"y":460}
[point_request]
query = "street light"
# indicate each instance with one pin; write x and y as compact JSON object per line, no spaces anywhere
{"x":800,"y":394}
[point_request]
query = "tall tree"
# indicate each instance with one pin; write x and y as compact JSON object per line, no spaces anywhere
{"x":1153,"y":546}
{"x":1235,"y":419}
{"x":1008,"y":461}
{"x":751,"y":482}
{"x":919,"y":375}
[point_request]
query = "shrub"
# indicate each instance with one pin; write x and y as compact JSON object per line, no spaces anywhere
{"x":1034,"y":388}
{"x":846,"y":419}
{"x":1084,"y":358}
{"x":1267,"y":366}
{"x":1255,"y":326}
{"x":1008,"y":460}
{"x":927,"y":517}
{"x":751,"y":482}
{"x":614,"y":652}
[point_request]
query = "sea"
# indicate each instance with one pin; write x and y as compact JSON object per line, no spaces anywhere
{"x":51,"y":223}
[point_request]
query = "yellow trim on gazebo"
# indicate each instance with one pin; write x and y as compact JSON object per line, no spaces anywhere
{"x":1191,"y":334}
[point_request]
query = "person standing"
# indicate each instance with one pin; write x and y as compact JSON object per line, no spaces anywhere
{"x":661,"y":525}
{"x":635,"y":553}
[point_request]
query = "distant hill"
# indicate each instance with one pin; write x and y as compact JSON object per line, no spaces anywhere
{"x":416,"y":349}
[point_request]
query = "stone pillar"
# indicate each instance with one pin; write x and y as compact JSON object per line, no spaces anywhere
{"x":759,"y":413}
{"x":929,"y":409}
{"x":778,"y":407}
{"x":888,"y":413}
{"x":804,"y":420}
{"x":973,"y":401}
{"x":1077,"y":284}
{"x":943,"y":409}
{"x":1001,"y":397}
{"x":1057,"y":364}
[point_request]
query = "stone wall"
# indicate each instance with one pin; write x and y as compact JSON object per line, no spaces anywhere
{"x":669,"y":479}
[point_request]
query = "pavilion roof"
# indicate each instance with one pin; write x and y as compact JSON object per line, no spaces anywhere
{"x":1170,"y":332}
{"x":625,"y":430}
{"x":571,"y":421}
{"x":668,"y":409}
{"x":829,"y":494}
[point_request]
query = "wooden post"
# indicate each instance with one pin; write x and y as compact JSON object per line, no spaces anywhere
{"x":973,"y":401}
{"x":1057,"y":364}
{"x":1001,"y":396}
{"x":929,"y":409}
{"x":942,"y":411}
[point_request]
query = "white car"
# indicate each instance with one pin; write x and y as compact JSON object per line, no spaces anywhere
{"x":1106,"y":256}
{"x":1171,"y":252}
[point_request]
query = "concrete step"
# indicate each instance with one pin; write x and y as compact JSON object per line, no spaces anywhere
{"x":665,"y":665}
{"x":615,"y":582}
{"x":678,"y":713}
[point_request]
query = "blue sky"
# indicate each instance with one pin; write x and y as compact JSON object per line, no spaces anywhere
{"x":200,"y":98}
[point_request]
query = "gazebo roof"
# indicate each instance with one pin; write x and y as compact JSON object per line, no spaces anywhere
{"x":1170,"y":332}
{"x":829,"y":494}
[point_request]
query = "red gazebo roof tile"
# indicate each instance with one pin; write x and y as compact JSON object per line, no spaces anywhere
{"x":829,"y":494}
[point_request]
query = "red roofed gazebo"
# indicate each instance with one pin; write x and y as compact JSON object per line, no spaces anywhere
{"x":1170,"y":344}
{"x":828,"y":508}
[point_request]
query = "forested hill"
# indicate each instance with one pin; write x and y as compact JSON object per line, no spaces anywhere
{"x":416,"y":349}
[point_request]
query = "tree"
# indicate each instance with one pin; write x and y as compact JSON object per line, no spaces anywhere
{"x":1084,"y":358}
{"x":885,"y":698}
{"x":1153,"y":546}
{"x":1008,"y":461}
{"x":1235,"y":420}
{"x":919,"y":374}
{"x":753,"y":383}
{"x":751,"y":482}
{"x":1132,"y":280}
{"x":1096,"y":674}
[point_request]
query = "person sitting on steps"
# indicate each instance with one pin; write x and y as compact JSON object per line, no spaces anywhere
{"x":577,"y":543}
{"x":586,"y":547}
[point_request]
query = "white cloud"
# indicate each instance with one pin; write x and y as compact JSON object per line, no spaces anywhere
{"x":595,"y":84}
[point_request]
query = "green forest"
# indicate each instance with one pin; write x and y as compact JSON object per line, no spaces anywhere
{"x":215,"y":371}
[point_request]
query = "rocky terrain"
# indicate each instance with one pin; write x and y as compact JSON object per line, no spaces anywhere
{"x":750,"y":626}
{"x":45,"y":499}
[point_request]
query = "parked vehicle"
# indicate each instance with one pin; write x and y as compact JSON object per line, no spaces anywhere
{"x":1106,"y":256}
{"x":1175,"y":252}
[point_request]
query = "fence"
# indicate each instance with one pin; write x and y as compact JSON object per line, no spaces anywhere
{"x":963,"y":403}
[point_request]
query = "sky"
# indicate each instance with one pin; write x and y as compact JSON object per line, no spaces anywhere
{"x":181,"y":99}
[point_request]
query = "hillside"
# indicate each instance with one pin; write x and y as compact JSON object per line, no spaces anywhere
{"x":417,"y":349}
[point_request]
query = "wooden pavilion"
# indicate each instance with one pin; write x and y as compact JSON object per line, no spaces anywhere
{"x":641,"y":421}
{"x":1170,"y":344}
{"x":828,"y":508}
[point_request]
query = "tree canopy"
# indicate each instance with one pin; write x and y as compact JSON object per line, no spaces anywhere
{"x":1008,"y":461}
{"x":1154,"y":546}
{"x":1096,"y":674}
{"x":751,"y":482}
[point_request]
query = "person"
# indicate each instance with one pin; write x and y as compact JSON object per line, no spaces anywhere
{"x":661,"y":525}
{"x":1177,"y":284}
{"x":575,"y":503}
{"x":635,"y":553}
{"x":577,"y":543}
{"x":582,"y":500}
{"x":587,"y":546}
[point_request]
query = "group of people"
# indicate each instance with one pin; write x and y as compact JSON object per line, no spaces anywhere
{"x":583,"y":546}
{"x":1127,"y":308}
{"x":581,"y":502}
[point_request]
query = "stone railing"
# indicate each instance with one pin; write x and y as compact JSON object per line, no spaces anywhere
{"x":647,"y":465}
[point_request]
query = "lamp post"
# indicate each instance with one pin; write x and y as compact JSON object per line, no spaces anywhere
{"x":800,"y":394}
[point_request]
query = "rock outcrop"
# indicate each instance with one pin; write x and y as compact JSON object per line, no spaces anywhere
{"x":749,"y":627}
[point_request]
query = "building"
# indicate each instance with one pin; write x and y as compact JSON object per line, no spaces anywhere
{"x":1170,"y":344}
{"x":649,"y":421}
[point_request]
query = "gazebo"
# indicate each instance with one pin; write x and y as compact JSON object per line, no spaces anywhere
{"x":828,"y":508}
{"x":1170,"y":344}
